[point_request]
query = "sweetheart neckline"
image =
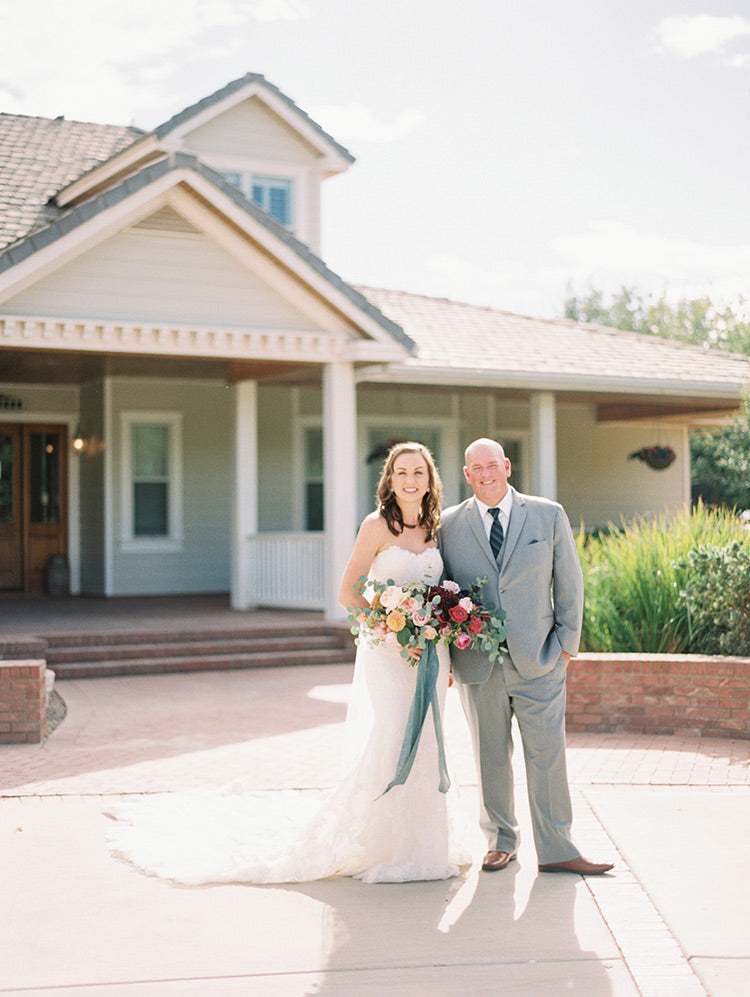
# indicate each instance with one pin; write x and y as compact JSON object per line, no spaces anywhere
{"x":416,"y":553}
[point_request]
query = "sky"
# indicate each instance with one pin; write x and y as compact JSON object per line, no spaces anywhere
{"x":508,"y":152}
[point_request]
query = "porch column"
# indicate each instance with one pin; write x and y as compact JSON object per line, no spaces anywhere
{"x":340,"y":482}
{"x":245,"y":504}
{"x":543,"y":425}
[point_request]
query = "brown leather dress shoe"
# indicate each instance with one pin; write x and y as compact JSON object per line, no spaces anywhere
{"x":580,"y":865}
{"x":493,"y":861}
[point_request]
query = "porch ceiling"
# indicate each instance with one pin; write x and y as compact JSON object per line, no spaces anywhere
{"x":57,"y":367}
{"x":609,"y":406}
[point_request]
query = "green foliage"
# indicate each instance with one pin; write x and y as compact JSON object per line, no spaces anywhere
{"x":634,"y":577}
{"x":720,"y":463}
{"x":697,"y":321}
{"x":717,"y":598}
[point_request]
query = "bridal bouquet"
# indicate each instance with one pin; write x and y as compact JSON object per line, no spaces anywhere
{"x":415,"y":615}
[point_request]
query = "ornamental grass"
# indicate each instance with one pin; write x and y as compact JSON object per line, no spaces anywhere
{"x":637,"y":579}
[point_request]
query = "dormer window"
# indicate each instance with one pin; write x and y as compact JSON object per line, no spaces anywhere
{"x":273,"y":194}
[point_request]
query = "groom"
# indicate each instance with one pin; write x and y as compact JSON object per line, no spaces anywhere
{"x":525,"y":547}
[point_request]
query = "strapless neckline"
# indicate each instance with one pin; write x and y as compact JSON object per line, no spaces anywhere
{"x":416,"y":553}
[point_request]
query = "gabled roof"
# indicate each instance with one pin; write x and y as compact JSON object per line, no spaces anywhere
{"x":169,"y":136}
{"x":235,"y":89}
{"x":470,"y":344}
{"x":38,"y":156}
{"x":71,"y":219}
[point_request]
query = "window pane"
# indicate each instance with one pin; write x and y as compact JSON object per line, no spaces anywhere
{"x":45,"y":478}
{"x":314,"y":452}
{"x":314,"y":505}
{"x":150,"y":451}
{"x":6,"y":478}
{"x":150,"y":518}
{"x":279,"y":205}
{"x":274,"y":195}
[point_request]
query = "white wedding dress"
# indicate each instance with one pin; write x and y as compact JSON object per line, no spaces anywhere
{"x":414,"y":832}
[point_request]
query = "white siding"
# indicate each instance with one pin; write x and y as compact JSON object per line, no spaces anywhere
{"x":203,"y":562}
{"x":250,"y":131}
{"x":156,"y":277}
{"x":598,"y":484}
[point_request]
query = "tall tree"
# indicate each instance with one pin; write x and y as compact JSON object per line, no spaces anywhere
{"x":698,"y":320}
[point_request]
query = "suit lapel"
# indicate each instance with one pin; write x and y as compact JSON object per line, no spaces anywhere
{"x":517,"y":519}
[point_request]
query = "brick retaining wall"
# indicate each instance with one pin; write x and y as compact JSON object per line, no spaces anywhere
{"x":659,"y":694}
{"x":23,"y":701}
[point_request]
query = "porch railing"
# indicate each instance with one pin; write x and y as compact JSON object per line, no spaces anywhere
{"x":286,"y":570}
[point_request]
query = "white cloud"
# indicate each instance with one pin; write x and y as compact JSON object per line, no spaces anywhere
{"x":354,"y":122}
{"x":100,"y":62}
{"x":611,"y":254}
{"x":280,"y":10}
{"x":702,"y":34}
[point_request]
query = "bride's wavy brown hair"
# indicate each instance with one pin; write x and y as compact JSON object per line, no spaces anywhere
{"x":432,"y":503}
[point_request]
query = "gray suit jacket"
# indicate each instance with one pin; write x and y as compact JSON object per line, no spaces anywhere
{"x":538,"y":582}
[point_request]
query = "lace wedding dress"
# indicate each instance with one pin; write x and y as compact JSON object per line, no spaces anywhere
{"x":414,"y":832}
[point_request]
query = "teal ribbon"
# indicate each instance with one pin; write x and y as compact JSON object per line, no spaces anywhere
{"x":425,"y":695}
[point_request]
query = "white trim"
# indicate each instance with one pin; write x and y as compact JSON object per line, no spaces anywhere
{"x":245,"y":490}
{"x":543,"y":428}
{"x":155,"y":339}
{"x":339,"y":488}
{"x":109,"y":489}
{"x":129,"y":542}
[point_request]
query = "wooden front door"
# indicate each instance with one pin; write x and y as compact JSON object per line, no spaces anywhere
{"x":33,"y":503}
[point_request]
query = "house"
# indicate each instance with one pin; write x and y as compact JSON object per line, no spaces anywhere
{"x":189,"y":395}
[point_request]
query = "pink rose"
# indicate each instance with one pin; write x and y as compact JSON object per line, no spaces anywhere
{"x":463,"y":640}
{"x":429,"y":633}
{"x":420,"y":617}
{"x":466,"y":604}
{"x":475,"y":625}
{"x":451,"y":586}
{"x":391,"y":640}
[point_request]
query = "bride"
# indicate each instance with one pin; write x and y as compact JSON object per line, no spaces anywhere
{"x":412,"y":832}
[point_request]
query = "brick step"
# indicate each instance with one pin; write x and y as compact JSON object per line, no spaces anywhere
{"x":167,"y":636}
{"x":265,"y":658}
{"x":182,"y":646}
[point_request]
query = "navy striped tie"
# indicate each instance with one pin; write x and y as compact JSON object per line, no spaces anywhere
{"x":496,"y":532}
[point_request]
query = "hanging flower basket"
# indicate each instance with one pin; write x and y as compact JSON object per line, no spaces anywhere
{"x":656,"y":457}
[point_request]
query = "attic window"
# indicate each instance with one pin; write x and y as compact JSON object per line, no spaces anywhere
{"x":273,"y":194}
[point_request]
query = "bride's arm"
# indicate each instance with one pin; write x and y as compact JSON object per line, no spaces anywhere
{"x":369,"y":541}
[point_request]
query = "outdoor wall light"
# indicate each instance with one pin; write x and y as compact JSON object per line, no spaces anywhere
{"x":80,"y":443}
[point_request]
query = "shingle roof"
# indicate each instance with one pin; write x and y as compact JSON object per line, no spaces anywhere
{"x":515,"y":350}
{"x":38,"y":156}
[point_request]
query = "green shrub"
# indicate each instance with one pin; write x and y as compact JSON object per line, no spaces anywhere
{"x":716,"y":596}
{"x":634,"y":577}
